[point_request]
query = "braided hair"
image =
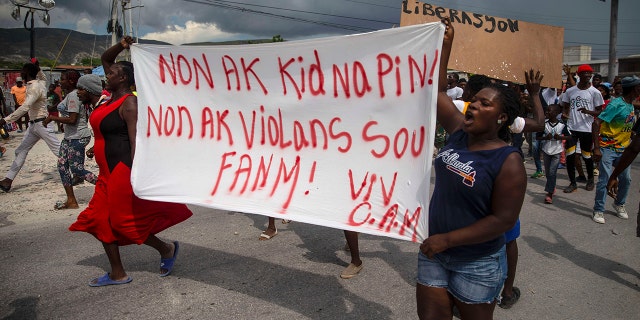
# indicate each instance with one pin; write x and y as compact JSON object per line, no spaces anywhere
{"x":510,"y":105}
{"x":127,"y":69}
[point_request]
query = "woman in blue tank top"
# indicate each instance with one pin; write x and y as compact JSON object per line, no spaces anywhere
{"x":479,"y":190}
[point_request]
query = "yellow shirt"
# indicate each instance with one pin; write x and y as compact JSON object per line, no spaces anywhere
{"x":20,"y":93}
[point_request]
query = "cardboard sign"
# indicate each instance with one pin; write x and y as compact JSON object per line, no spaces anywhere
{"x":500,"y":48}
{"x":335,"y":131}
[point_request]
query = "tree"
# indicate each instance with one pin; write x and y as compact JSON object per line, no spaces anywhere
{"x":277,"y":38}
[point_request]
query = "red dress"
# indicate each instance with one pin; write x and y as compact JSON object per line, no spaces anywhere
{"x":114,"y":213}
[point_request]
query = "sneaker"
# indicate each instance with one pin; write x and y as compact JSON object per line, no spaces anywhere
{"x":571,"y":188}
{"x":589,"y":185}
{"x":581,"y":179}
{"x":598,"y":217}
{"x":596,"y":172}
{"x":561,"y":166}
{"x":621,"y":211}
{"x":537,"y":174}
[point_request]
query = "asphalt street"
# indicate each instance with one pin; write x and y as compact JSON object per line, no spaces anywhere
{"x":569,"y":267}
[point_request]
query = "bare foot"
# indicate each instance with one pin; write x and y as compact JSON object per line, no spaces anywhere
{"x":64,"y":205}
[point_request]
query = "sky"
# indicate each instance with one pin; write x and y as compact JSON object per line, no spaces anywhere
{"x":586,"y":22}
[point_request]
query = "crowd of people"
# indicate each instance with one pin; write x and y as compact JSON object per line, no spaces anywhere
{"x":588,"y":117}
{"x":468,"y":263}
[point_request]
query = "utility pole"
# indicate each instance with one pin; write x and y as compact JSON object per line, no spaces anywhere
{"x":114,"y":22}
{"x":613,"y":39}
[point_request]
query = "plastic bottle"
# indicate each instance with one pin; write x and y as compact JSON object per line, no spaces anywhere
{"x":3,"y":133}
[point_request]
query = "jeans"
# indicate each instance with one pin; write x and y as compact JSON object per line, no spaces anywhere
{"x":516,"y":141}
{"x":609,"y":159}
{"x":550,"y":170}
{"x":536,"y":144}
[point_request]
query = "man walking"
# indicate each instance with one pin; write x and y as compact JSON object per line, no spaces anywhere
{"x":612,"y":134}
{"x":35,"y":104}
{"x":581,"y":103}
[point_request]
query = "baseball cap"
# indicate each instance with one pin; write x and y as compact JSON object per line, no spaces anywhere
{"x":585,"y":68}
{"x":630,"y":81}
{"x":19,"y":79}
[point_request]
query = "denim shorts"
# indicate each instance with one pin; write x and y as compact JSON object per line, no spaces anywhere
{"x":471,"y":281}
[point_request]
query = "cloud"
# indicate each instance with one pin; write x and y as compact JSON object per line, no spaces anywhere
{"x":190,"y":33}
{"x":84,"y":25}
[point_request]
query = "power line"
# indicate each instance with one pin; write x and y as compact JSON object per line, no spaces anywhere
{"x":221,"y":2}
{"x":327,"y":24}
{"x":372,"y":4}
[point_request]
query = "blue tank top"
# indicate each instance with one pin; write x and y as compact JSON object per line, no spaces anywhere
{"x":462,"y":192}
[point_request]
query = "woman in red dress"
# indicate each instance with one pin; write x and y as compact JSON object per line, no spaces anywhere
{"x":115,"y":216}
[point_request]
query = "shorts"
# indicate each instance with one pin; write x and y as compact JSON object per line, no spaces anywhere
{"x":471,"y":281}
{"x":513,"y":233}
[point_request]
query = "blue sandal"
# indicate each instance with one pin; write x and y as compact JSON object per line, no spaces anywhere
{"x":106,"y":280}
{"x":167,"y":263}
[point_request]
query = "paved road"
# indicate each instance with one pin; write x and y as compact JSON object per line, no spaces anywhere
{"x":570,"y":267}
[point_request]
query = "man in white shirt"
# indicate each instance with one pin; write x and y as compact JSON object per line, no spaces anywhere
{"x":581,"y":103}
{"x":35,"y":104}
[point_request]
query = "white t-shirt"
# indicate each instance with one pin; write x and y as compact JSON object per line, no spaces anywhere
{"x":549,"y":95}
{"x":518,"y":125}
{"x":553,"y":146}
{"x":454,"y":93}
{"x":577,"y":98}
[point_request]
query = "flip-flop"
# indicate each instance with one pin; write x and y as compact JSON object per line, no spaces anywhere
{"x":106,"y":280}
{"x":167,"y":263}
{"x":508,"y":302}
{"x":264,"y":236}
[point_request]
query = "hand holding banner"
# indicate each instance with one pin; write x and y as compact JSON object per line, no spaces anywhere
{"x":335,"y":131}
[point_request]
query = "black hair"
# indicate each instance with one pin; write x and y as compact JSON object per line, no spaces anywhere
{"x":554,"y":105}
{"x":127,"y":69}
{"x":607,"y":91}
{"x":462,"y":80}
{"x":72,"y":75}
{"x":476,"y":83}
{"x":597,"y":75}
{"x":31,"y":70}
{"x":626,"y":90}
{"x":510,"y":102}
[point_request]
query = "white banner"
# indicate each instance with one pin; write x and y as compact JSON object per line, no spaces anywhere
{"x":334,"y":131}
